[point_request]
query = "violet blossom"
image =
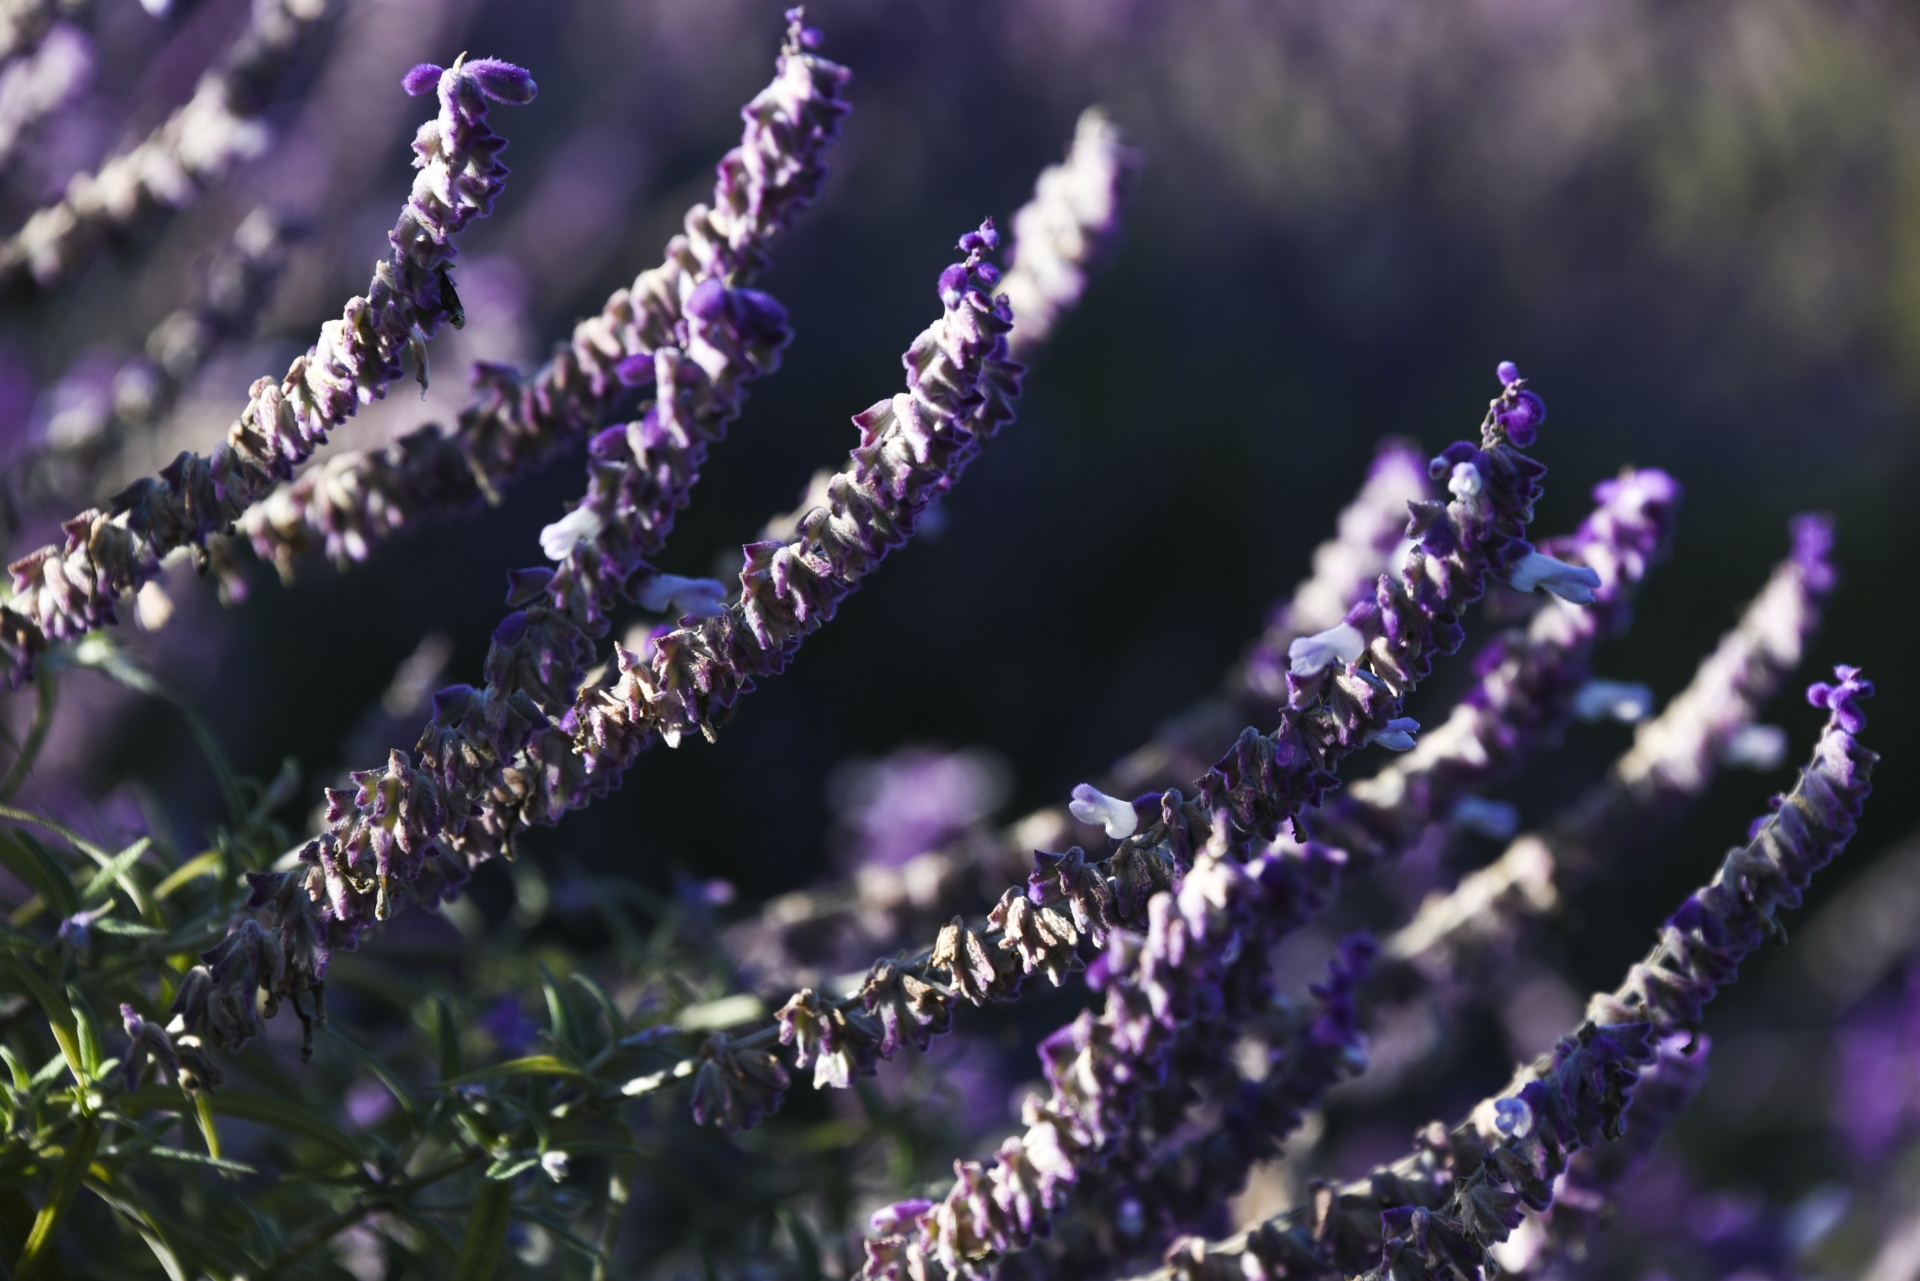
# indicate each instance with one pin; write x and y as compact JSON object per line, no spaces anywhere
{"x":354,"y":501}
{"x":496,"y":760}
{"x":1672,"y":759}
{"x":63,"y":592}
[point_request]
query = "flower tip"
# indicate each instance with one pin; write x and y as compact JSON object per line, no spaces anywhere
{"x":1842,"y":698}
{"x":984,"y":240}
{"x":1507,"y":372}
{"x":422,"y":78}
{"x":502,"y":81}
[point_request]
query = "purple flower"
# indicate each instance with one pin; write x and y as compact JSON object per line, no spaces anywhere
{"x":353,"y":501}
{"x":63,"y":592}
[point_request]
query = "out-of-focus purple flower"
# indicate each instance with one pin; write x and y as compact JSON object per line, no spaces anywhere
{"x":913,"y":800}
{"x":1876,"y":1097}
{"x":507,"y":1023}
{"x":367,"y":1104}
{"x":1060,"y":236}
{"x":223,"y":124}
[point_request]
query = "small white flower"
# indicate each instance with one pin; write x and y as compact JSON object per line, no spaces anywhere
{"x":555,"y":1164}
{"x":1398,"y":734}
{"x":1466,"y":481}
{"x":701,"y":597}
{"x":1341,"y":643}
{"x":1495,"y":820}
{"x":1574,"y":583}
{"x":581,"y":525}
{"x":1627,"y":701}
{"x":1091,"y":805}
{"x":1756,"y":747}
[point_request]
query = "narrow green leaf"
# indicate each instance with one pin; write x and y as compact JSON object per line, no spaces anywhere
{"x":204,"y":864}
{"x":531,"y":1065}
{"x":446,"y":1037}
{"x":114,"y":871}
{"x":59,"y":1017}
{"x":561,"y":1029}
{"x":505,"y":1167}
{"x":486,"y":1238}
{"x":66,"y":1181}
{"x":616,"y":1021}
{"x":87,"y":1030}
{"x":32,"y":863}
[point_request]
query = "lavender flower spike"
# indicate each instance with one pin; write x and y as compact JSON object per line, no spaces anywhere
{"x":354,"y":501}
{"x":193,"y":148}
{"x":1699,"y":952}
{"x":60,"y":593}
{"x":1529,"y":682}
{"x":414,"y":829}
{"x":1447,"y":1203}
{"x":1253,"y":794}
{"x":1060,"y":236}
{"x":1672,"y":759}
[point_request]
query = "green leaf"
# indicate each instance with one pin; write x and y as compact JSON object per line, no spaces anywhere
{"x":88,"y":1029}
{"x":505,"y":1167}
{"x":40,"y":870}
{"x":446,"y":1037}
{"x":279,"y":1113}
{"x":531,"y":1065}
{"x":205,"y":864}
{"x":164,"y":1152}
{"x":616,"y":1022}
{"x":114,"y":871}
{"x":561,"y":1029}
{"x":59,"y":1017}
{"x":66,"y":1181}
{"x":486,"y":1238}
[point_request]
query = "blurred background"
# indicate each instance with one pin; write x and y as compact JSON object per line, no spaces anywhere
{"x":1695,"y":228}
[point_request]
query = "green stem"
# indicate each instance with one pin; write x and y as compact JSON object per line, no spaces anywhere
{"x":619,"y":1191}
{"x":36,"y":736}
{"x":486,"y":1236}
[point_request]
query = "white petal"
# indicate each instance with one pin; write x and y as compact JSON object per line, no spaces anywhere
{"x":581,"y":525}
{"x":1091,"y":805}
{"x":1342,"y":643}
{"x":1574,"y":583}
